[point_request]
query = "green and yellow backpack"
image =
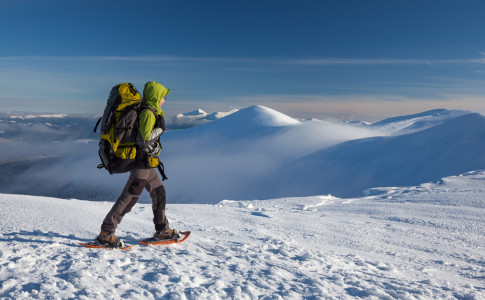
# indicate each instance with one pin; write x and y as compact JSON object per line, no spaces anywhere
{"x":119,"y":129}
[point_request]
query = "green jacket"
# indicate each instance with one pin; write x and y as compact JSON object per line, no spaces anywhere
{"x":153,"y":93}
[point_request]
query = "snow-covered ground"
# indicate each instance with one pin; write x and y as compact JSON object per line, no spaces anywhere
{"x":423,"y":242}
{"x":422,"y":237}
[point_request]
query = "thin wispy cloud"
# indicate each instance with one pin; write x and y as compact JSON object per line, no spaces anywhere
{"x":302,"y":61}
{"x":141,"y":58}
{"x":385,"y":61}
{"x":356,"y":98}
{"x":222,"y":82}
{"x":382,"y":61}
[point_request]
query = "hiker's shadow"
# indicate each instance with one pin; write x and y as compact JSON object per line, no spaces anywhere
{"x":37,"y":237}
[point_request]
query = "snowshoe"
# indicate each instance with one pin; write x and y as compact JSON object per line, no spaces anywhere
{"x":96,"y":244}
{"x":107,"y":241}
{"x":168,"y":237}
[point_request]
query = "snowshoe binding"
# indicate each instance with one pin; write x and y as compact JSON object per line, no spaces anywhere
{"x":171,"y":236}
{"x":107,"y":241}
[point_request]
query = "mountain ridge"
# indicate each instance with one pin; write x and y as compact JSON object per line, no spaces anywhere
{"x":451,"y":148}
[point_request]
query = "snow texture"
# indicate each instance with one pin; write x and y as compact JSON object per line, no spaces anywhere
{"x":422,"y":242}
{"x":450,"y":148}
{"x":410,"y":123}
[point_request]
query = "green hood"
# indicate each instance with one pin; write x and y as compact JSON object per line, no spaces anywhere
{"x":153,"y":94}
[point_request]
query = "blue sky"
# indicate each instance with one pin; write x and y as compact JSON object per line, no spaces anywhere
{"x":305,"y":58}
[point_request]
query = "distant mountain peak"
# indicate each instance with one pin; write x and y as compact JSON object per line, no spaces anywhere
{"x":195,"y":118}
{"x":416,"y":122}
{"x":196,"y":112}
{"x":250,"y":121}
{"x":265,"y":116}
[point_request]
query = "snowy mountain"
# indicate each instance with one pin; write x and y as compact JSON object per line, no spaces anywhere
{"x":196,"y":113}
{"x":422,"y":242}
{"x":356,"y":123}
{"x":29,"y":129}
{"x":410,"y":123}
{"x":401,"y":232}
{"x":453,"y":147}
{"x":259,"y":152}
{"x":194,"y":118}
{"x":249,"y":122}
{"x":416,"y":122}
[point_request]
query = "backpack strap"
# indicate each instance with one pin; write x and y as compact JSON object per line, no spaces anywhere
{"x":146,"y":107}
{"x":161,"y":169}
{"x":97,"y":123}
{"x":160,"y":121}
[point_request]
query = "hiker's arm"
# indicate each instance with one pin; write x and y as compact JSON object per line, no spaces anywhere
{"x":148,"y":135}
{"x":155,"y":134}
{"x":146,"y":123}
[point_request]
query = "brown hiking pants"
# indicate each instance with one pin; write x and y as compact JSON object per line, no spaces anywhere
{"x":139,"y":179}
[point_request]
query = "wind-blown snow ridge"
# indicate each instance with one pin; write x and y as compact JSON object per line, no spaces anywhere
{"x":453,"y":147}
{"x":416,"y":122}
{"x":422,"y":242}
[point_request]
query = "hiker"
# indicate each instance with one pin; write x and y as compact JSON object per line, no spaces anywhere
{"x":151,"y":125}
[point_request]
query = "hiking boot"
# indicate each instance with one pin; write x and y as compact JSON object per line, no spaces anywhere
{"x":169,"y":234}
{"x":105,"y":238}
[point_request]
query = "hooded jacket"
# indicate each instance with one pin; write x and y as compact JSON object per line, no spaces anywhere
{"x":153,"y":93}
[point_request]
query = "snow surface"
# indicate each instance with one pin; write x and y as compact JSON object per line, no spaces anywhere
{"x":449,"y":148}
{"x":422,"y":242}
{"x":421,"y":237}
{"x":416,"y":122}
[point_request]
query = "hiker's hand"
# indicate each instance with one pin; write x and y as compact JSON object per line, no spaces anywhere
{"x":154,"y":149}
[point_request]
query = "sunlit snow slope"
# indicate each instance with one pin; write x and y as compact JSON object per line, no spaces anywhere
{"x":452,"y":147}
{"x":423,"y":242}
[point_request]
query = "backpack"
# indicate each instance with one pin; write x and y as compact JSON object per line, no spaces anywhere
{"x":119,"y":129}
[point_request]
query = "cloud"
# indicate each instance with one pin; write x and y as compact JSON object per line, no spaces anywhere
{"x":238,"y":60}
{"x":382,"y":61}
{"x":204,"y":164}
{"x":208,"y":168}
{"x":221,"y":82}
{"x":129,"y":58}
{"x":202,"y":167}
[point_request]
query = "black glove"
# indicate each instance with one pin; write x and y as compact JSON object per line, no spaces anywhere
{"x":154,"y":149}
